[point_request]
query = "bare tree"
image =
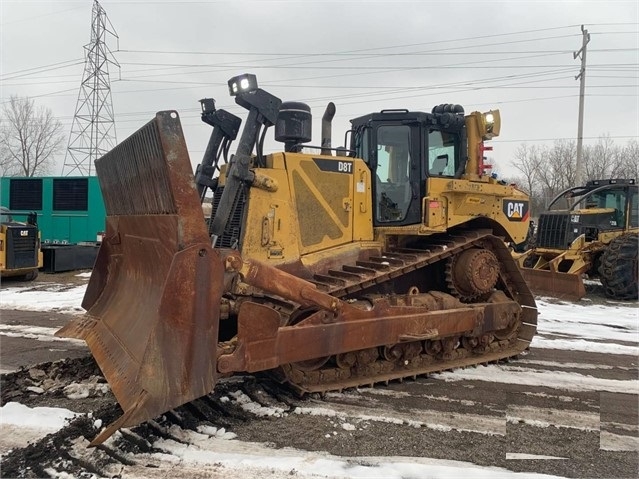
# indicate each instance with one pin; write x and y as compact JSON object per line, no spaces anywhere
{"x":29,"y":138}
{"x":547,"y":171}
{"x":602,"y":159}
{"x":7,"y":168}
{"x":629,"y":161}
{"x":556,"y":170}
{"x":528,"y":161}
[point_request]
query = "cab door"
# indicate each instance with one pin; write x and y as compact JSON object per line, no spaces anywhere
{"x":396,"y":175}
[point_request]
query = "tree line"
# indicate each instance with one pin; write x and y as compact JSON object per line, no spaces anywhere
{"x":545,"y":171}
{"x":30,"y":137}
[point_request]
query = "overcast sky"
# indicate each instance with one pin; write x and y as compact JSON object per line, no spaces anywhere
{"x":363,"y":55}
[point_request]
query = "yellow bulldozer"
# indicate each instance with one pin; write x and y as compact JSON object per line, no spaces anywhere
{"x":20,"y":252}
{"x":588,"y":230}
{"x":329,"y":267}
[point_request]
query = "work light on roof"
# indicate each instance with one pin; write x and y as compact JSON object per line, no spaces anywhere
{"x":489,"y":124}
{"x":242,"y":84}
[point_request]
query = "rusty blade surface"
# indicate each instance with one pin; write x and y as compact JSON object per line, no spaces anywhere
{"x":153,"y":299}
{"x":555,"y":284}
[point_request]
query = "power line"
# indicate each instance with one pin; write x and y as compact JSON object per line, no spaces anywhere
{"x":477,"y":37}
{"x":194,"y":113}
{"x":353,"y":86}
{"x":443,"y":51}
{"x":29,"y":71}
{"x":30,"y":18}
{"x":55,"y":93}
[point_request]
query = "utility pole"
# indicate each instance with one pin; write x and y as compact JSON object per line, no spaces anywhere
{"x":93,"y":128}
{"x":585,"y":38}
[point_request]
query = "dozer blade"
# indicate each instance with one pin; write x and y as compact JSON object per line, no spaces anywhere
{"x":551,"y":283}
{"x":153,"y":299}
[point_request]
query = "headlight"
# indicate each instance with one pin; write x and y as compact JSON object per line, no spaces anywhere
{"x":242,"y":84}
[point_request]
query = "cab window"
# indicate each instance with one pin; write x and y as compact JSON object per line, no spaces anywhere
{"x":441,"y":154}
{"x":634,"y":209}
{"x":362,"y":147}
{"x":393,"y":162}
{"x":613,"y":199}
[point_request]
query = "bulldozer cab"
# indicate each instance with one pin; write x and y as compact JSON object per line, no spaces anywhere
{"x":403,"y":149}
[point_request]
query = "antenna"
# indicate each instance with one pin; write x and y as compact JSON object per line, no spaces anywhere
{"x":93,"y":127}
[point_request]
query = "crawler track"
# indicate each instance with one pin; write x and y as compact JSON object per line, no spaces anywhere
{"x":431,"y":259}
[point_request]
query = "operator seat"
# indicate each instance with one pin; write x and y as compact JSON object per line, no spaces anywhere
{"x":439,"y":165}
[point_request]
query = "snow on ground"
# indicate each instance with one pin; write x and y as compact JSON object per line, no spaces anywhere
{"x":20,"y":424}
{"x":216,"y":449}
{"x":56,"y":297}
{"x":245,"y":458}
{"x":41,"y":333}
{"x":582,"y":326}
{"x":614,"y":321}
{"x":48,"y":419}
{"x":543,"y":378}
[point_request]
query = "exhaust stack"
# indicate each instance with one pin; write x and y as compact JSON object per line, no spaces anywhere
{"x":327,"y":121}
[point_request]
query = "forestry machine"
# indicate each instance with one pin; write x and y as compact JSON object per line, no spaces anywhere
{"x":333,"y":268}
{"x":591,"y":229}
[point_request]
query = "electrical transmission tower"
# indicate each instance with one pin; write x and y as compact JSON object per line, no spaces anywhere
{"x":93,"y":128}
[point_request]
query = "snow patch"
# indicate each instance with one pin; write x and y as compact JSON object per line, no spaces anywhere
{"x":523,"y":456}
{"x":551,"y":379}
{"x":583,"y":345}
{"x":220,"y":433}
{"x":235,"y":459}
{"x":56,"y":297}
{"x":48,"y":419}
{"x":38,"y":333}
{"x":251,"y":406}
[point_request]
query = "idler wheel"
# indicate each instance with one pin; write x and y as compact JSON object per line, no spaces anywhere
{"x":309,"y":364}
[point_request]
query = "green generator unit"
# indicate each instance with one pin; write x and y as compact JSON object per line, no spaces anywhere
{"x":70,"y":212}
